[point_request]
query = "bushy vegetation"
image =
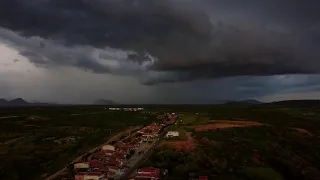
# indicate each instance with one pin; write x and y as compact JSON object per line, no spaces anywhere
{"x":286,"y":147}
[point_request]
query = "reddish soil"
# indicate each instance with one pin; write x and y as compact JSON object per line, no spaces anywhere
{"x":183,"y":145}
{"x":304,"y":131}
{"x":222,"y":124}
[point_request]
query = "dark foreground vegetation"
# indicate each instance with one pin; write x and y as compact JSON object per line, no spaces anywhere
{"x":38,"y":141}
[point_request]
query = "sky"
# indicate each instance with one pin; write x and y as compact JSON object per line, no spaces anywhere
{"x":152,"y":51}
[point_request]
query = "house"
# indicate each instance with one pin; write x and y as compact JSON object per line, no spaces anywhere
{"x":148,"y":173}
{"x":120,"y":155}
{"x":119,"y":145}
{"x":132,"y":146}
{"x":94,"y":163}
{"x":113,"y":162}
{"x":108,"y":147}
{"x":89,"y":176}
{"x":172,"y":134}
{"x":83,"y":165}
{"x":108,"y":152}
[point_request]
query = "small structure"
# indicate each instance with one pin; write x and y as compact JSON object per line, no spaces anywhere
{"x":89,"y":176}
{"x":108,"y":147}
{"x":172,"y":134}
{"x":148,"y":173}
{"x":107,"y":152}
{"x":114,"y":162}
{"x":82,"y":165}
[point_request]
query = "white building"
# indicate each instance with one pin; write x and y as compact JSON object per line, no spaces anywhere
{"x":172,"y":134}
{"x":108,"y":147}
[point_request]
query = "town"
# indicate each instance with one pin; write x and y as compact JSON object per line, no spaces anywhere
{"x":119,"y":159}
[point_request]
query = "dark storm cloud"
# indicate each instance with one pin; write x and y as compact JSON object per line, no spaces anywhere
{"x":184,"y":39}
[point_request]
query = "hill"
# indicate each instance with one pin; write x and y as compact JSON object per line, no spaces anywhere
{"x":3,"y":102}
{"x":18,"y":102}
{"x":14,"y":102}
{"x":298,"y":103}
{"x":251,"y":101}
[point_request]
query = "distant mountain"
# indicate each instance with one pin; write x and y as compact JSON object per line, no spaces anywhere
{"x":104,"y":102}
{"x":251,"y":101}
{"x":221,"y":101}
{"x":18,"y":102}
{"x":298,"y":103}
{"x":243,"y":102}
{"x":3,"y":102}
{"x":14,"y":102}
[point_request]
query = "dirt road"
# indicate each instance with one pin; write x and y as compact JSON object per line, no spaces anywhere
{"x":63,"y":171}
{"x":8,"y":117}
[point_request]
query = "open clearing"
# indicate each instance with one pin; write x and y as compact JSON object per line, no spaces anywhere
{"x":222,"y":124}
{"x":183,"y":145}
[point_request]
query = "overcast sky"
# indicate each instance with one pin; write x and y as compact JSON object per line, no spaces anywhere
{"x":159,"y":51}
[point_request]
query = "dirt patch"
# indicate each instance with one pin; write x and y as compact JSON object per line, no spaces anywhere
{"x":222,"y":124}
{"x":304,"y":131}
{"x":184,"y":145}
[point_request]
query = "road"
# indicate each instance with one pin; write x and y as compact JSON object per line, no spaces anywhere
{"x":8,"y":117}
{"x":147,"y":154}
{"x":64,"y":170}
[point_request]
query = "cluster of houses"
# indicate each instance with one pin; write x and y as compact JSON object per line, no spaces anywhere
{"x":170,"y":118}
{"x":110,"y":161}
{"x":126,"y":109}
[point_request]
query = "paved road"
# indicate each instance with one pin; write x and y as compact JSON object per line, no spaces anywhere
{"x":64,"y":170}
{"x":147,"y":154}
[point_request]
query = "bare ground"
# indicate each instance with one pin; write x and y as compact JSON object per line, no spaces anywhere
{"x":184,"y":145}
{"x":303,"y":131}
{"x":222,"y":124}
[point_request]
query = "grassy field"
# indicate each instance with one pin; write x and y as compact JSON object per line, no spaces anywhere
{"x":38,"y":141}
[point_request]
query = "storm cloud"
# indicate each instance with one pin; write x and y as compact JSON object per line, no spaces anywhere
{"x":168,"y":40}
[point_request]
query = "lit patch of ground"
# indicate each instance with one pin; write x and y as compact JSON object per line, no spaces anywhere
{"x":183,"y":145}
{"x":222,"y":124}
{"x":304,"y":131}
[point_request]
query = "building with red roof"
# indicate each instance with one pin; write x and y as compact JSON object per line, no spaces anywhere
{"x":95,"y":163}
{"x":113,"y":162}
{"x":119,"y":145}
{"x":148,"y":173}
